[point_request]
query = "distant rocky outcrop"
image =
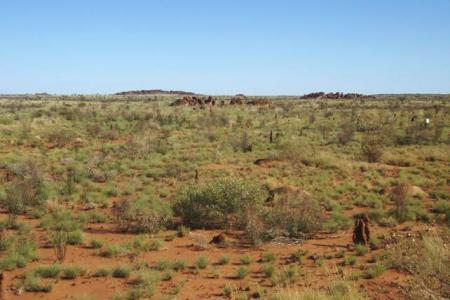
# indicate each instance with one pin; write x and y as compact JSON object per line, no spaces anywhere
{"x":203,"y":101}
{"x":153,"y":92}
{"x":193,"y":101}
{"x":337,"y":95}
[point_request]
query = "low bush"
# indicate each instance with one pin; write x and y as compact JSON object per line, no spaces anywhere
{"x":268,"y":270}
{"x":72,"y":272}
{"x":32,"y":283}
{"x":121,"y":272}
{"x":372,"y":147}
{"x":102,"y":272}
{"x":163,"y":264}
{"x":268,"y":257}
{"x":143,"y":215}
{"x":218,"y":204}
{"x":179,"y":265}
{"x":95,"y":244}
{"x":427,"y":260}
{"x":245,"y":260}
{"x":296,"y":215}
{"x":51,"y":271}
{"x":242,"y":272}
{"x":361,"y":250}
{"x":111,"y":251}
{"x":374,"y":271}
{"x":224,"y":260}
{"x":337,"y":222}
{"x":202,"y":262}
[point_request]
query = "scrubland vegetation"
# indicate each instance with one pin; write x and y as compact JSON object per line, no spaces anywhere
{"x":119,"y":198}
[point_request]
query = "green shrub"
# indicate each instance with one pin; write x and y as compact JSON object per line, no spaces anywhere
{"x":146,"y":283}
{"x":179,"y":265}
{"x":298,"y":255}
{"x":13,"y":261}
{"x":361,"y":250}
{"x":242,"y":272}
{"x":218,"y":204}
{"x":167,"y":275}
{"x":121,"y":272}
{"x":95,"y":244}
{"x":268,"y":257}
{"x":62,"y":227}
{"x":224,"y":260}
{"x":202,"y":262}
{"x":143,"y":215}
{"x":374,"y":271}
{"x":75,"y":237}
{"x":163,"y":264}
{"x":102,"y":272}
{"x":155,"y":245}
{"x":337,"y":222}
{"x":32,"y":283}
{"x":443,"y":207}
{"x":295,"y":215}
{"x":27,"y":191}
{"x":111,"y":251}
{"x":182,"y":231}
{"x":289,"y":275}
{"x":245,"y":260}
{"x":349,"y":260}
{"x":72,"y":272}
{"x":268,"y":270}
{"x":51,"y":271}
{"x":372,"y":147}
{"x":427,"y":258}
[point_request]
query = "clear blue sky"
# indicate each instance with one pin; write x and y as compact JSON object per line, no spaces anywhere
{"x":225,"y":47}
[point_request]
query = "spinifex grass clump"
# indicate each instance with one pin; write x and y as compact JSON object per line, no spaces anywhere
{"x":63,"y":228}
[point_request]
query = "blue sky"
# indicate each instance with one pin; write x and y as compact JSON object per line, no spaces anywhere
{"x":225,"y":47}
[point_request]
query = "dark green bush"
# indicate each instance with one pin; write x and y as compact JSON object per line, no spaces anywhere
{"x":218,"y":204}
{"x":142,"y":215}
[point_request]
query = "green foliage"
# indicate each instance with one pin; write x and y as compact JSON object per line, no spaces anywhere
{"x":374,"y":271}
{"x":268,"y":257}
{"x":32,"y":283}
{"x":27,"y":191}
{"x":72,"y":272}
{"x":361,"y":250}
{"x":102,"y":272}
{"x":297,"y":256}
{"x":95,"y":244}
{"x":63,"y":229}
{"x":349,"y":260}
{"x":145,"y":282}
{"x":245,"y":260}
{"x":112,"y":250}
{"x":224,"y":260}
{"x":372,"y":147}
{"x":202,"y":262}
{"x":268,"y":270}
{"x":218,"y":204}
{"x":163,"y":264}
{"x":295,"y":216}
{"x":337,"y":222}
{"x":179,"y":265}
{"x":242,"y":272}
{"x":143,"y":215}
{"x":121,"y":272}
{"x":51,"y":271}
{"x":182,"y":231}
{"x":19,"y":251}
